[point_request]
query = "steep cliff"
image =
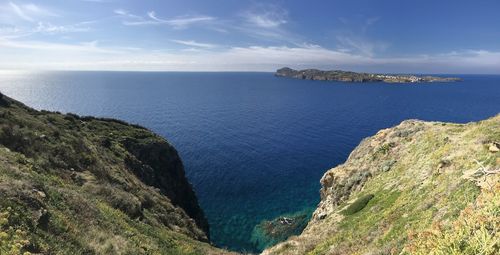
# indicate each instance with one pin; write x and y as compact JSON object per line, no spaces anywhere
{"x":82,"y":185}
{"x":417,"y":188}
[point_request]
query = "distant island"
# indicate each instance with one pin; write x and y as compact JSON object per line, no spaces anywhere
{"x":347,"y":76}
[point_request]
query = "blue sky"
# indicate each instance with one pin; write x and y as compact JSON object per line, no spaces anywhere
{"x":421,"y":36}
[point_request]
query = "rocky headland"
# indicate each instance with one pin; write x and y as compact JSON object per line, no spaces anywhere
{"x":346,"y":76}
{"x":417,"y":188}
{"x":85,"y":185}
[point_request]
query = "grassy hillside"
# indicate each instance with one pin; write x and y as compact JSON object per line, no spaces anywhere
{"x":417,"y":188}
{"x":81,"y":185}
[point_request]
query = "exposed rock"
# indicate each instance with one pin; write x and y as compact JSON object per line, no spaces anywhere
{"x":494,"y":147}
{"x":85,"y":185}
{"x":270,"y":232}
{"x":387,"y":198}
{"x":41,"y":194}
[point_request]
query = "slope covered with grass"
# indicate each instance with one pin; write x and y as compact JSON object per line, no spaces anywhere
{"x":82,"y":185}
{"x":417,"y":188}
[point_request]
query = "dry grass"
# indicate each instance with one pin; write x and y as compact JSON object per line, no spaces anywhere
{"x":81,"y":185}
{"x":424,"y":179}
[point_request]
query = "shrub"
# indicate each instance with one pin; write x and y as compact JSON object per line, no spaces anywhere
{"x":384,"y":149}
{"x":106,"y":142}
{"x":358,"y":205}
{"x":474,"y":232}
{"x":13,"y":240}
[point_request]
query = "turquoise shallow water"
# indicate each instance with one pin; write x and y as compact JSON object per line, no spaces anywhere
{"x":254,"y":146}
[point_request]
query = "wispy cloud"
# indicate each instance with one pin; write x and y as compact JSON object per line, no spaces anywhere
{"x":362,"y":46}
{"x":48,"y":28}
{"x":195,"y":44}
{"x":268,"y":16}
{"x":152,"y":18}
{"x":23,"y":20}
{"x":34,"y":36}
{"x":353,"y":36}
{"x":371,"y":21}
{"x":267,"y":22}
{"x":27,"y":12}
{"x":125,"y":13}
{"x":20,"y":12}
{"x":93,"y":56}
{"x":89,"y":47}
{"x":12,"y":31}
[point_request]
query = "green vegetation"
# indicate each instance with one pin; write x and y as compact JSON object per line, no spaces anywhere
{"x":84,"y":185}
{"x":475,"y":231}
{"x":418,"y":188}
{"x":358,"y":205}
{"x":12,"y":240}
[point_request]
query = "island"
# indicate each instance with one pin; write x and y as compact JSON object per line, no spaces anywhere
{"x":348,"y":76}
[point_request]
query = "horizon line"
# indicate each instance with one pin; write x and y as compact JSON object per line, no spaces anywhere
{"x":222,"y":71}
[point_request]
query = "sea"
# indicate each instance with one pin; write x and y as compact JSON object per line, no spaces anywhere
{"x":254,"y":146}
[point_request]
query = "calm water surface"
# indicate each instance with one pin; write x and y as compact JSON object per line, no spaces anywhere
{"x":254,"y":146}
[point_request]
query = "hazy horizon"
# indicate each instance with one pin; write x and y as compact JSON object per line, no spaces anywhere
{"x":428,"y":37}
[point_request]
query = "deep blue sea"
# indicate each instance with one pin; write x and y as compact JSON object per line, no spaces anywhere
{"x":254,"y":146}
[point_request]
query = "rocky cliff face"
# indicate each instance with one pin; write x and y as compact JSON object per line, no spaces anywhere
{"x":417,"y":188}
{"x":82,"y":185}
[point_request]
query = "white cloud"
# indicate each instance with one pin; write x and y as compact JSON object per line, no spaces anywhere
{"x":266,"y":16}
{"x":352,"y":36}
{"x":266,"y":22}
{"x":38,"y":47}
{"x":195,"y":44}
{"x":124,"y":13}
{"x":120,"y":12}
{"x":13,"y":31}
{"x":46,"y":27}
{"x":23,"y":20}
{"x":26,"y":12}
{"x":20,"y":54}
{"x":361,"y":46}
{"x":20,"y":12}
{"x":180,"y":22}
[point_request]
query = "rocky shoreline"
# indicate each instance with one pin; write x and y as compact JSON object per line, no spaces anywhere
{"x":347,"y":76}
{"x":416,"y":188}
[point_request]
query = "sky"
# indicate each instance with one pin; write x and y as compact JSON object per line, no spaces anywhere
{"x":391,"y":36}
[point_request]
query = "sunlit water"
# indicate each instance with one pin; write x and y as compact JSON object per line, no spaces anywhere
{"x":253,"y":145}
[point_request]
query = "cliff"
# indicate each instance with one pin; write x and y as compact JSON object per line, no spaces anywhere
{"x":346,"y":76}
{"x":83,"y":185}
{"x":417,"y":188}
